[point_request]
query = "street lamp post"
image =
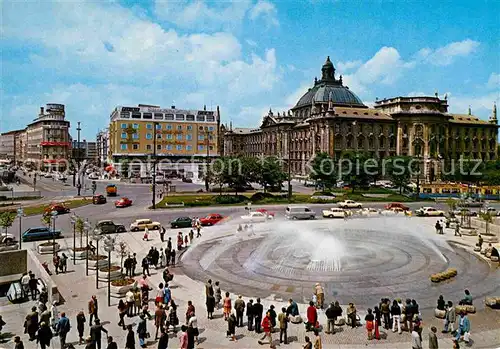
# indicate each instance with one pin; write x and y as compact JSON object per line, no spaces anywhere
{"x":79,"y":184}
{"x":20,"y":213}
{"x":153,"y":201}
{"x":289,"y":166}
{"x":207,"y":162}
{"x":97,"y":236}
{"x":54,"y":216}
{"x":87,"y":228}
{"x":74,"y":219}
{"x":109,"y":246}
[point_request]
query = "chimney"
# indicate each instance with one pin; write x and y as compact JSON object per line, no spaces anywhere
{"x":41,"y":110}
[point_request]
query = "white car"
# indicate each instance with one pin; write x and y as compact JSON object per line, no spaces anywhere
{"x":334,"y":212}
{"x":94,"y":176}
{"x":369,"y":212}
{"x":429,"y":211}
{"x":141,"y":224}
{"x":349,"y":204}
{"x":47,"y":175}
{"x":256,"y":217}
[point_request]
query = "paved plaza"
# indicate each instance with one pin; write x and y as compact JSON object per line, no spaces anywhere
{"x":372,"y":263}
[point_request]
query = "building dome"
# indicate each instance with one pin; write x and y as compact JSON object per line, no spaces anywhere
{"x":330,"y":88}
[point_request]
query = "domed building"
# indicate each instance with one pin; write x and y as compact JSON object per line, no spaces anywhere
{"x":330,"y":118}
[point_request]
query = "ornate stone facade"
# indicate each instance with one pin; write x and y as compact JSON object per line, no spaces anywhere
{"x":330,"y":118}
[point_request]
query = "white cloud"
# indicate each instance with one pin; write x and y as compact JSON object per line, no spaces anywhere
{"x":494,"y":81}
{"x":266,"y":10}
{"x":343,"y":67}
{"x":251,"y":43}
{"x":198,"y":15}
{"x":445,"y":55}
{"x":481,"y":105}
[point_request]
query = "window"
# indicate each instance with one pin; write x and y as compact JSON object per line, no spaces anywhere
{"x":135,"y":146}
{"x":135,"y":136}
{"x":179,"y":137}
{"x":169,"y":147}
{"x":158,"y":116}
{"x":179,"y":127}
{"x":179,"y":147}
{"x":210,"y":118}
{"x":147,"y":116}
{"x":200,"y":118}
{"x":158,"y":147}
{"x":189,"y":117}
{"x":189,"y":147}
{"x":123,"y":125}
{"x":136,"y":126}
{"x":179,"y":117}
{"x":124,"y":135}
{"x":169,"y":136}
{"x":158,"y":127}
{"x":149,"y":136}
{"x":200,"y":128}
{"x":189,"y":127}
{"x":211,"y":147}
{"x":149,"y":126}
{"x":200,"y":147}
{"x":189,"y":137}
{"x":136,"y":115}
{"x":169,"y":127}
{"x":211,"y":128}
{"x":169,"y":116}
{"x":211,"y":137}
{"x":125,"y":114}
{"x":148,"y":146}
{"x":201,"y":137}
{"x":124,"y":146}
{"x":158,"y":136}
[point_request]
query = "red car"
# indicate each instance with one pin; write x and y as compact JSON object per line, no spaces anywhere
{"x":211,"y":219}
{"x":264,"y":211}
{"x":396,"y":205}
{"x":60,"y":209}
{"x":123,"y":202}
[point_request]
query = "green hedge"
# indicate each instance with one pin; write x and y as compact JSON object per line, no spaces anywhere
{"x":230,"y":199}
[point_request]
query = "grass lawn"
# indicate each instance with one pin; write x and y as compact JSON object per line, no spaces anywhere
{"x":39,"y":209}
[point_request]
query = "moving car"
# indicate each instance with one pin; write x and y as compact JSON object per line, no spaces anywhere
{"x":396,"y":205}
{"x":299,"y":212}
{"x":109,"y":227}
{"x":99,"y":199}
{"x":181,"y":222}
{"x":334,"y":212}
{"x":263,"y":210}
{"x":187,"y":180}
{"x":47,"y":175}
{"x":94,"y":176}
{"x":40,"y":233}
{"x":464,"y":212}
{"x":59,"y":208}
{"x":141,"y":224}
{"x":471,"y":203}
{"x":256,"y":217}
{"x":111,"y":190}
{"x":123,"y":202}
{"x":211,"y":219}
{"x":491,"y":210}
{"x":429,"y":211}
{"x":369,"y":212}
{"x":349,"y":204}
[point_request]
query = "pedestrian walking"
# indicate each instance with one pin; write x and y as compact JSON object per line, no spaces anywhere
{"x":172,"y":258}
{"x":80,"y":325}
{"x":250,"y":315}
{"x":258,"y":309}
{"x":416,"y":342}
{"x":31,"y":324}
{"x":56,"y":261}
{"x":266,"y":326}
{"x":130,"y":341}
{"x":111,"y":343}
{"x":44,"y":335}
{"x":18,"y":343}
{"x":63,"y":327}
{"x":193,"y":326}
{"x":134,"y":264}
{"x":396,"y":316}
{"x":129,"y":298}
{"x":160,"y":318}
{"x":142,"y":331}
{"x":145,"y":266}
{"x":433,"y":341}
{"x":96,"y":333}
{"x":239,"y":307}
{"x":64,"y":263}
{"x":145,"y":237}
{"x":450,"y":318}
{"x":122,"y":311}
{"x":163,"y":260}
{"x":162,"y":233}
{"x":163,"y":341}
{"x":283,"y":323}
{"x":33,"y":284}
{"x":231,"y":326}
{"x":93,"y":308}
{"x":218,"y":295}
{"x":183,"y":339}
{"x":227,"y":306}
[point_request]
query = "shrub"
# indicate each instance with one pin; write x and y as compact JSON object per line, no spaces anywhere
{"x":261,"y":196}
{"x":323,"y":193}
{"x":113,"y":268}
{"x":93,"y":257}
{"x":230,"y":199}
{"x":122,"y":282}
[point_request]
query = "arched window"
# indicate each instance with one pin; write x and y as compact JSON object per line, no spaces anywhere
{"x":361,"y":142}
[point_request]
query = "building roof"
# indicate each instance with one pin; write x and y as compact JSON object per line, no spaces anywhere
{"x":361,"y":113}
{"x":242,"y":130}
{"x":468,"y":119}
{"x":329,"y":88}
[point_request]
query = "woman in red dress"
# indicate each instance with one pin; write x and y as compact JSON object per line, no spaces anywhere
{"x":370,"y":323}
{"x":227,"y":306}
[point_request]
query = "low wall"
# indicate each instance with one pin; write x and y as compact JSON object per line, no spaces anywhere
{"x":36,"y":267}
{"x":494,"y":228}
{"x":13,"y":262}
{"x":8,"y":195}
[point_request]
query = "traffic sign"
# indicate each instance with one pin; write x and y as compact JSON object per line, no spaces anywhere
{"x":20,"y":212}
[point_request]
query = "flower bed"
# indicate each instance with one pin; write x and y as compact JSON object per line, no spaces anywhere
{"x":48,"y":247}
{"x":448,"y":274}
{"x":121,"y":286}
{"x":112,"y":269}
{"x":80,"y":252}
{"x":94,"y":263}
{"x":114,"y":274}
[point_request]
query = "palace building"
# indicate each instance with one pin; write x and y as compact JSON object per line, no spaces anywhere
{"x":330,"y":118}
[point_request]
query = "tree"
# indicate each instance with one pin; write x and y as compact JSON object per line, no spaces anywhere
{"x":269,"y":173}
{"x":451,"y":203}
{"x":80,"y":229}
{"x":487,"y":218}
{"x":400,"y":170}
{"x":46,"y":219}
{"x":323,"y":170}
{"x":6,"y":220}
{"x":358,"y":169}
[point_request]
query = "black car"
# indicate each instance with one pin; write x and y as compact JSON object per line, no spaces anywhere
{"x":40,"y":233}
{"x":181,"y":222}
{"x":109,"y":227}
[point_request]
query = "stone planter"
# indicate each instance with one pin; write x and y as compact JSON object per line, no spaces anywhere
{"x":47,"y":247}
{"x":489,"y":238}
{"x":115,"y":273}
{"x":494,"y":259}
{"x":78,"y":254}
{"x":9,"y":247}
{"x":119,"y":291}
{"x":101,"y":263}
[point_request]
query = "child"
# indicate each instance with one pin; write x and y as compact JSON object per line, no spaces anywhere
{"x":146,"y":235}
{"x":186,"y":240}
{"x":218,"y":294}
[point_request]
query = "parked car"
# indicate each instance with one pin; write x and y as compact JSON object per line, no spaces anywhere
{"x":40,"y":233}
{"x":464,"y":212}
{"x":111,"y":190}
{"x":491,"y":210}
{"x":211,"y":219}
{"x":263,"y":210}
{"x":109,"y":227}
{"x":471,"y":203}
{"x":141,"y":224}
{"x":181,"y":222}
{"x":429,"y":211}
{"x":369,"y":212}
{"x":255,"y":217}
{"x":94,"y":176}
{"x":334,"y":212}
{"x":6,"y":238}
{"x":349,"y":204}
{"x":59,"y":208}
{"x":187,"y":180}
{"x":396,"y":205}
{"x":99,"y":199}
{"x":299,"y":212}
{"x":123,"y":202}
{"x":47,"y":175}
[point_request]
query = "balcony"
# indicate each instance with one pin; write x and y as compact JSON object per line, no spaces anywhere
{"x":55,"y":144}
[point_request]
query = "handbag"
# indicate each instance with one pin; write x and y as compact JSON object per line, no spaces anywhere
{"x":466,"y":336}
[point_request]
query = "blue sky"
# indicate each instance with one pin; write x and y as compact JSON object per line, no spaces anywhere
{"x":245,"y":56}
